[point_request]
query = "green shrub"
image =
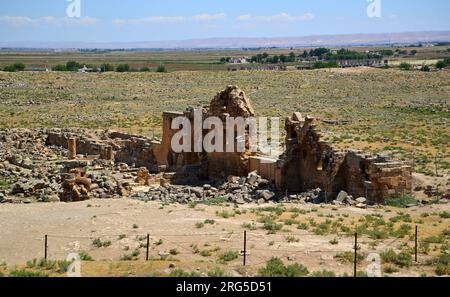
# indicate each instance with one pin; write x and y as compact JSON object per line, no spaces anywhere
{"x":59,"y":67}
{"x":271,"y":226}
{"x":27,"y":273}
{"x":405,"y":66}
{"x":123,"y":68}
{"x":349,"y":257}
{"x":402,"y":259}
{"x":323,"y":273}
{"x":84,"y":256}
{"x":15,"y":67}
{"x":440,"y":65}
{"x":228,"y":256}
{"x":320,"y":65}
{"x":182,"y":273}
{"x":161,"y":69}
{"x":73,"y":66}
{"x":217,"y":272}
{"x":442,"y":264}
{"x":276,"y":268}
{"x":106,"y":67}
{"x":97,"y":242}
{"x":292,"y":239}
{"x":444,"y":215}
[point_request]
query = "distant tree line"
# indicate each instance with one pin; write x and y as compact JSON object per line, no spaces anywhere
{"x":321,"y":53}
{"x":106,"y":67}
{"x":15,"y":67}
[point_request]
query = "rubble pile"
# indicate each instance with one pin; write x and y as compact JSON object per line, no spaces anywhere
{"x":235,"y":189}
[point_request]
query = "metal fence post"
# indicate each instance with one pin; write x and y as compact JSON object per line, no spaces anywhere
{"x":416,"y":243}
{"x":356,"y":255}
{"x":45,"y":246}
{"x":148,"y":246}
{"x":245,"y":246}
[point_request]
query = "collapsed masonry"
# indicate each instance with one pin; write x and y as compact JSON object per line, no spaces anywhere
{"x":308,"y":163}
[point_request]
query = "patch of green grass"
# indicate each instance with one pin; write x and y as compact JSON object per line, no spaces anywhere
{"x":215,"y":201}
{"x":27,"y":273}
{"x":291,"y":239}
{"x":271,"y":226}
{"x":278,"y":210}
{"x":401,"y":201}
{"x":402,"y":259}
{"x":97,"y":242}
{"x":349,"y":257}
{"x":174,"y":252}
{"x":228,"y":256}
{"x":444,"y":215}
{"x":182,"y":273}
{"x":334,"y":241}
{"x":84,"y":256}
{"x":205,"y":253}
{"x":217,"y":272}
{"x":323,"y":273}
{"x":276,"y":268}
{"x":303,"y":226}
{"x":225,"y":214}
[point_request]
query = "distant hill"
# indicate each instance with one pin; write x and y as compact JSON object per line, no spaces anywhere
{"x":306,"y":41}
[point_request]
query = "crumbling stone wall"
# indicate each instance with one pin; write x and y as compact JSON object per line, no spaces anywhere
{"x":117,"y":146}
{"x":310,"y":163}
{"x":231,"y":102}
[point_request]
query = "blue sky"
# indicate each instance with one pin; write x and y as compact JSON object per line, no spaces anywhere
{"x":149,"y":20}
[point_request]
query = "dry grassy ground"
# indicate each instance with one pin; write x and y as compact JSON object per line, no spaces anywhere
{"x":207,"y":238}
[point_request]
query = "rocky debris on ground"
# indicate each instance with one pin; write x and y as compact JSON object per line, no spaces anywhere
{"x":235,"y":189}
{"x":31,"y":171}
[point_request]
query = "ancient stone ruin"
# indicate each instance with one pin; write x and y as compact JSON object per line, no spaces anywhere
{"x":308,"y":165}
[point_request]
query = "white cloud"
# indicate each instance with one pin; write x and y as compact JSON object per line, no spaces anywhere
{"x":282,"y":17}
{"x":15,"y":20}
{"x":209,"y":17}
{"x":171,"y":19}
{"x":47,"y":20}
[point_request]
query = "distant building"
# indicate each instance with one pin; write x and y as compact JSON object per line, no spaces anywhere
{"x":362,"y":62}
{"x":86,"y":70}
{"x":242,"y":60}
{"x":275,"y":67}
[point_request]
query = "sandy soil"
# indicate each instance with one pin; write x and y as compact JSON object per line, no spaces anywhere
{"x":72,"y":228}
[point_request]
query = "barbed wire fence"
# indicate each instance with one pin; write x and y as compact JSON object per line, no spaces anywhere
{"x":247,"y":249}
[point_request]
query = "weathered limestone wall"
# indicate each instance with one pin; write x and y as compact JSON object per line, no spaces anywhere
{"x":309,"y":163}
{"x":120,"y":147}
